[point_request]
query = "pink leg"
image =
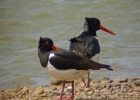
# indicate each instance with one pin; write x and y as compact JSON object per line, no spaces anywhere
{"x":87,"y":86}
{"x":72,"y":96}
{"x":61,"y":95}
{"x":84,"y":81}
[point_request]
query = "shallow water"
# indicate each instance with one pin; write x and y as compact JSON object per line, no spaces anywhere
{"x":23,"y":22}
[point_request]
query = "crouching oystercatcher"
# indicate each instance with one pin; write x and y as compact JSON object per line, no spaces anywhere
{"x":87,"y":42}
{"x":65,"y":65}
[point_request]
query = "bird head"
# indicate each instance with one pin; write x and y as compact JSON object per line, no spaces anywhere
{"x":93,"y":24}
{"x":46,"y":44}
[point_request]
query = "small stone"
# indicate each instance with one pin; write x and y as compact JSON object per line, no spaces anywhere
{"x":55,"y":81}
{"x":97,"y":94}
{"x":97,"y":86}
{"x":117,"y":85}
{"x":106,"y":93}
{"x":82,"y":84}
{"x":133,"y":79}
{"x":137,"y":83}
{"x":102,"y":98}
{"x":24,"y":90}
{"x":26,"y":99}
{"x":47,"y":90}
{"x":105,"y":81}
{"x":105,"y":78}
{"x":43,"y":95}
{"x":121,"y":80}
{"x":54,"y":88}
{"x":87,"y":89}
{"x":56,"y":92}
{"x":97,"y":91}
{"x":68,"y":89}
{"x":38,"y":91}
{"x":90,"y":92}
{"x":81,"y":89}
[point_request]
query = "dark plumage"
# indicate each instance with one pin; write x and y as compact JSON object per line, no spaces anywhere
{"x":65,"y":60}
{"x":87,"y":43}
{"x":65,"y":65}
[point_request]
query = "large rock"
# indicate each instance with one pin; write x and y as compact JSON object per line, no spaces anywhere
{"x":55,"y":81}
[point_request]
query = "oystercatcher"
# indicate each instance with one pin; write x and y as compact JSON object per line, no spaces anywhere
{"x":65,"y":65}
{"x":87,"y":42}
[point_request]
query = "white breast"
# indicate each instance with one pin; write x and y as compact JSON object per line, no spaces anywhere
{"x":68,"y":75}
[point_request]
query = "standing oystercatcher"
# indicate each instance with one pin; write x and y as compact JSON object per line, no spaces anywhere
{"x":65,"y":65}
{"x":87,"y":42}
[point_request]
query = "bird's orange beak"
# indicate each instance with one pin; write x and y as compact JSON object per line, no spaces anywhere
{"x":106,"y":30}
{"x":55,"y":48}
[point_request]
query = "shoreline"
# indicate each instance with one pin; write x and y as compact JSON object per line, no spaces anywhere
{"x":103,"y":89}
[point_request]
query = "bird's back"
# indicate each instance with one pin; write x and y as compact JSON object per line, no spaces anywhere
{"x":86,"y":43}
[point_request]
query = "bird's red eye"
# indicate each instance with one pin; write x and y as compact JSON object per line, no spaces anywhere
{"x":47,"y":43}
{"x":95,"y":22}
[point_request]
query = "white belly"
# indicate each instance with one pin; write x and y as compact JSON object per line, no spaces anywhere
{"x":68,"y":75}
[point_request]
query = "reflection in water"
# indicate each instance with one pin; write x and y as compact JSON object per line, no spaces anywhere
{"x":23,"y":22}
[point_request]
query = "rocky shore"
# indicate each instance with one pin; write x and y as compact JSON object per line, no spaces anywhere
{"x":103,"y":89}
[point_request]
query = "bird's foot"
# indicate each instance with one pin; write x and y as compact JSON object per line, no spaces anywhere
{"x":86,"y":86}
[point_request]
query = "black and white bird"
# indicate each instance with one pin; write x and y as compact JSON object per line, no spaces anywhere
{"x":87,"y":42}
{"x":65,"y":65}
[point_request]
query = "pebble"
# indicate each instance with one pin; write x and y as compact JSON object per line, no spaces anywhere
{"x":24,"y":90}
{"x":43,"y":95}
{"x":97,"y":86}
{"x":56,"y":92}
{"x":87,"y":89}
{"x":103,"y":89}
{"x":90,"y":92}
{"x":97,"y":94}
{"x":68,"y":89}
{"x":121,"y":80}
{"x":38,"y":91}
{"x":105,"y":80}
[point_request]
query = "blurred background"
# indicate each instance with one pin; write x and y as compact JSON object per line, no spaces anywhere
{"x":23,"y":22}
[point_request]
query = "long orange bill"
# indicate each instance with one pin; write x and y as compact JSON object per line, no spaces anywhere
{"x":106,"y":30}
{"x":55,"y":48}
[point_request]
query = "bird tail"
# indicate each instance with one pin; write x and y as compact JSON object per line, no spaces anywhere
{"x":107,"y":67}
{"x":97,"y":66}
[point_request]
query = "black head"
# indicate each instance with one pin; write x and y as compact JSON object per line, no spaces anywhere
{"x":45,"y":44}
{"x":93,"y":24}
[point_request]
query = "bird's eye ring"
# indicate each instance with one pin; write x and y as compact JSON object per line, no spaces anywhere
{"x":95,"y":22}
{"x":47,"y":43}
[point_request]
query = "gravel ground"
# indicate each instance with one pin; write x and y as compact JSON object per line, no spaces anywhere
{"x":103,"y":89}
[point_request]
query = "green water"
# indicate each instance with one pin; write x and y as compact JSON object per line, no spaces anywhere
{"x":23,"y":22}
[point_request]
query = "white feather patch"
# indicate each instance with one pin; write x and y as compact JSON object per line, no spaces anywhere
{"x":68,"y":75}
{"x":96,"y":37}
{"x":51,"y":55}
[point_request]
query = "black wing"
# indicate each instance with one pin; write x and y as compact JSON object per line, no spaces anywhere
{"x":89,"y":46}
{"x":65,"y":59}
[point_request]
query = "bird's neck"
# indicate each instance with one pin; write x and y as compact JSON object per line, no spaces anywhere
{"x":94,"y":33}
{"x":43,"y":57}
{"x":91,"y":32}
